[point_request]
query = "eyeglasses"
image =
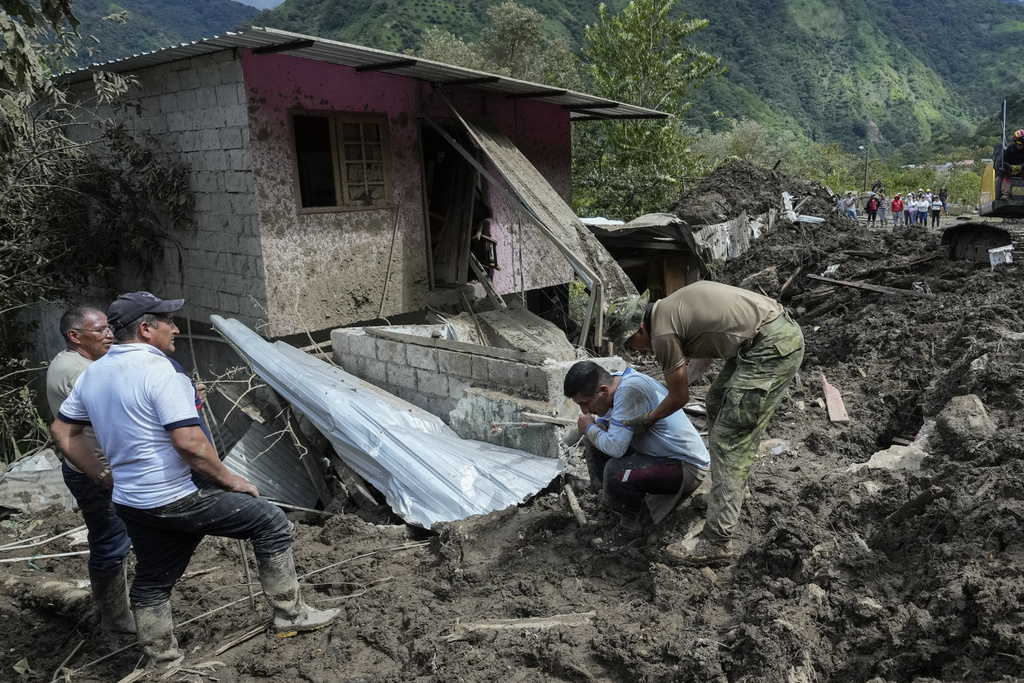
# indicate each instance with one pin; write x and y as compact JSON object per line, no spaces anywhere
{"x":98,"y":330}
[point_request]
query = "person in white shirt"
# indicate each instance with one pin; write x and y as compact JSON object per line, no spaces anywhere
{"x":143,"y":411}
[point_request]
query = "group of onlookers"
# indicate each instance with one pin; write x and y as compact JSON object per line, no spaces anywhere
{"x":911,"y":208}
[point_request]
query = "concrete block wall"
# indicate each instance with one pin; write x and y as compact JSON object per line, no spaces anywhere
{"x":197,"y":108}
{"x":434,"y":379}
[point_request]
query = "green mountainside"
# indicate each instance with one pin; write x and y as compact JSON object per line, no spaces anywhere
{"x":889,"y":72}
{"x":152,"y":24}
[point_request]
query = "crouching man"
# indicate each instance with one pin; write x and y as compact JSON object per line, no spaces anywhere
{"x":143,"y":411}
{"x":662,"y":467}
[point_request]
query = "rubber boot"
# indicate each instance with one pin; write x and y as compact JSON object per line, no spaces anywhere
{"x":155,"y":626}
{"x":281,"y":589}
{"x":110,"y":592}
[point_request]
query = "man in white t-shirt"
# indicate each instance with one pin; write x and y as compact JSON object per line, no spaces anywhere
{"x":143,"y":411}
{"x":87,"y":337}
{"x":661,"y":467}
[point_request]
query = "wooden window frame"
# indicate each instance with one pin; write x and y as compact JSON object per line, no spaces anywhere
{"x":338,"y":160}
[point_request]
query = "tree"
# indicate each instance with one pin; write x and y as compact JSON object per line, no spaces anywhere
{"x":80,"y":198}
{"x":513,"y":43}
{"x":22,"y":23}
{"x":641,"y":56}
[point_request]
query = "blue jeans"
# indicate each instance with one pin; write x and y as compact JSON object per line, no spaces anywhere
{"x":108,"y":538}
{"x":165,"y":537}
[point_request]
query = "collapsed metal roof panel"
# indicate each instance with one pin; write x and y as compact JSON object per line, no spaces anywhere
{"x":426,"y":472}
{"x":271,"y":463}
{"x":582,"y":107}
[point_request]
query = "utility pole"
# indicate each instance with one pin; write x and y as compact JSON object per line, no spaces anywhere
{"x":865,"y":148}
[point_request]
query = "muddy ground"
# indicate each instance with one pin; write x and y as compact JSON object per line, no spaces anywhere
{"x":870,"y":575}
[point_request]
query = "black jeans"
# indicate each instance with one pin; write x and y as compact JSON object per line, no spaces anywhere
{"x":165,"y":537}
{"x":108,"y":539}
{"x":627,"y":480}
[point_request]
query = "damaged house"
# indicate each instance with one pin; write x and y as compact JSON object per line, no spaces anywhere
{"x":337,"y":185}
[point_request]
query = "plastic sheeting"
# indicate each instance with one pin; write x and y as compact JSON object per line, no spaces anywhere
{"x":425,"y":471}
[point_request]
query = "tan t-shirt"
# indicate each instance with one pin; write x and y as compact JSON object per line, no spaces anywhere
{"x":707,"y":320}
{"x":61,"y":376}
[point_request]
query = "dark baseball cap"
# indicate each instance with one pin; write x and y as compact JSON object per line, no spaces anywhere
{"x":128,"y":308}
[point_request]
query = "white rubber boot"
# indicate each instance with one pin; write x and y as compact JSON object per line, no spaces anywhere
{"x":281,"y":589}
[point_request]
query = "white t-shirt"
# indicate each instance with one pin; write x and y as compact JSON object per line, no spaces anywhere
{"x":133,"y":397}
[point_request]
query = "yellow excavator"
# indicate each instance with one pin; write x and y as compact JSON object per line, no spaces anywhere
{"x":1002,"y":185}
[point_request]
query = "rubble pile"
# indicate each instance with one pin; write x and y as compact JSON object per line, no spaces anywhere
{"x":898,"y":568}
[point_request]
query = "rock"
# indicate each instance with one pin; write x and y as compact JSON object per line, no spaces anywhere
{"x":869,"y":608}
{"x":964,"y":422}
{"x":894,"y":458}
{"x":774,"y":448}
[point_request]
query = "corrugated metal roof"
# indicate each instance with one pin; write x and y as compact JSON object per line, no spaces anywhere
{"x":271,"y":463}
{"x":582,"y":107}
{"x":425,"y":471}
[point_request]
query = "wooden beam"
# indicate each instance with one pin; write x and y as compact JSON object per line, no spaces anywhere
{"x":789,"y":280}
{"x":387,"y":66}
{"x":875,"y":288}
{"x":488,"y":286}
{"x":284,"y":47}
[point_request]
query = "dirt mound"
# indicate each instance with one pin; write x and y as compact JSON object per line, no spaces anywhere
{"x":741,"y":186}
{"x":842,"y":574}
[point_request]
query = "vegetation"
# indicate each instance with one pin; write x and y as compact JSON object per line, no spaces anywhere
{"x":79,"y":197}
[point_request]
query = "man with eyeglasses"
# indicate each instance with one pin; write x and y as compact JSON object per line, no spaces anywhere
{"x":142,"y":406}
{"x":88,"y":337}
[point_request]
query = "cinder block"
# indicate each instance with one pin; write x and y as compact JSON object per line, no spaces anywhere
{"x":376,"y":372}
{"x":417,"y":399}
{"x":168,"y":104}
{"x":236,"y":181}
{"x":216,"y":160}
{"x":479,"y":369}
{"x":354,"y":365}
{"x":422,"y":357}
{"x":238,"y":159}
{"x":187,"y":78}
{"x":206,"y":98}
{"x":432,"y":383}
{"x":402,"y":377}
{"x":509,"y":376}
{"x":440,"y":406}
{"x":455,"y":364}
{"x":391,"y":352}
{"x":538,"y":385}
{"x":362,"y":345}
{"x":227,"y":95}
{"x":339,"y":345}
{"x":457,"y":387}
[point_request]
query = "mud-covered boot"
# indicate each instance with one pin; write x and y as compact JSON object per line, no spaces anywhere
{"x":155,"y":626}
{"x":110,"y":592}
{"x":281,"y":589}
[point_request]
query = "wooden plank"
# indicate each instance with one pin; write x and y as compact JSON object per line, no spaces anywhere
{"x":488,"y":286}
{"x":834,"y":403}
{"x":462,"y":347}
{"x":790,"y":280}
{"x":549,"y":419}
{"x":576,"y":619}
{"x":874,"y":288}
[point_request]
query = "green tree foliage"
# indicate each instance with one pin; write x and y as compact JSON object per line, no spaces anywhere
{"x":513,"y":43}
{"x":22,"y":24}
{"x":641,"y":56}
{"x":80,"y":198}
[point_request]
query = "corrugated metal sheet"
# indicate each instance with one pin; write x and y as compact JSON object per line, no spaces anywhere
{"x":270,"y":462}
{"x":582,"y":106}
{"x":425,"y":471}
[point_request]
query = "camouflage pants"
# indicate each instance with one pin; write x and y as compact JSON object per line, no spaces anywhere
{"x":740,"y":402}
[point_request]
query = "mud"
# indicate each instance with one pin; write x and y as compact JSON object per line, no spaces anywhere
{"x":874,"y":575}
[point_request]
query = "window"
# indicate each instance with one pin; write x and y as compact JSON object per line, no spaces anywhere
{"x":342,"y":161}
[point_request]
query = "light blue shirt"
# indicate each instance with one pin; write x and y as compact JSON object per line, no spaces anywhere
{"x":671,"y":437}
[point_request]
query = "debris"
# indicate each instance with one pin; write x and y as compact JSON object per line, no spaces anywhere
{"x":550,"y":419}
{"x":574,"y":505}
{"x":964,"y":422}
{"x":575,"y":619}
{"x":918,"y":505}
{"x":425,"y":471}
{"x":1000,"y":255}
{"x":789,"y":280}
{"x":834,"y":402}
{"x":239,"y":639}
{"x":874,"y":288}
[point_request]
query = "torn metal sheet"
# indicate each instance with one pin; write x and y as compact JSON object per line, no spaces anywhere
{"x":425,"y":471}
{"x":270,"y":462}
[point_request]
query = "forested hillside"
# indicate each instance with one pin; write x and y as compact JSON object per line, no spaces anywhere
{"x":152,"y":24}
{"x":890,"y":72}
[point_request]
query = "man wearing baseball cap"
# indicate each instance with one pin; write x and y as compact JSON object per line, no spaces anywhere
{"x":143,"y":411}
{"x":763,"y":347}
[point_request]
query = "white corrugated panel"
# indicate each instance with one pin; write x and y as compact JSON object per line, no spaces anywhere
{"x":427,"y":473}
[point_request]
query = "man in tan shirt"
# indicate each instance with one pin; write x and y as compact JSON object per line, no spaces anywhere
{"x":763,"y":348}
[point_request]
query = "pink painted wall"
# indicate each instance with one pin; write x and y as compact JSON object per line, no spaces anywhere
{"x":328,"y":269}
